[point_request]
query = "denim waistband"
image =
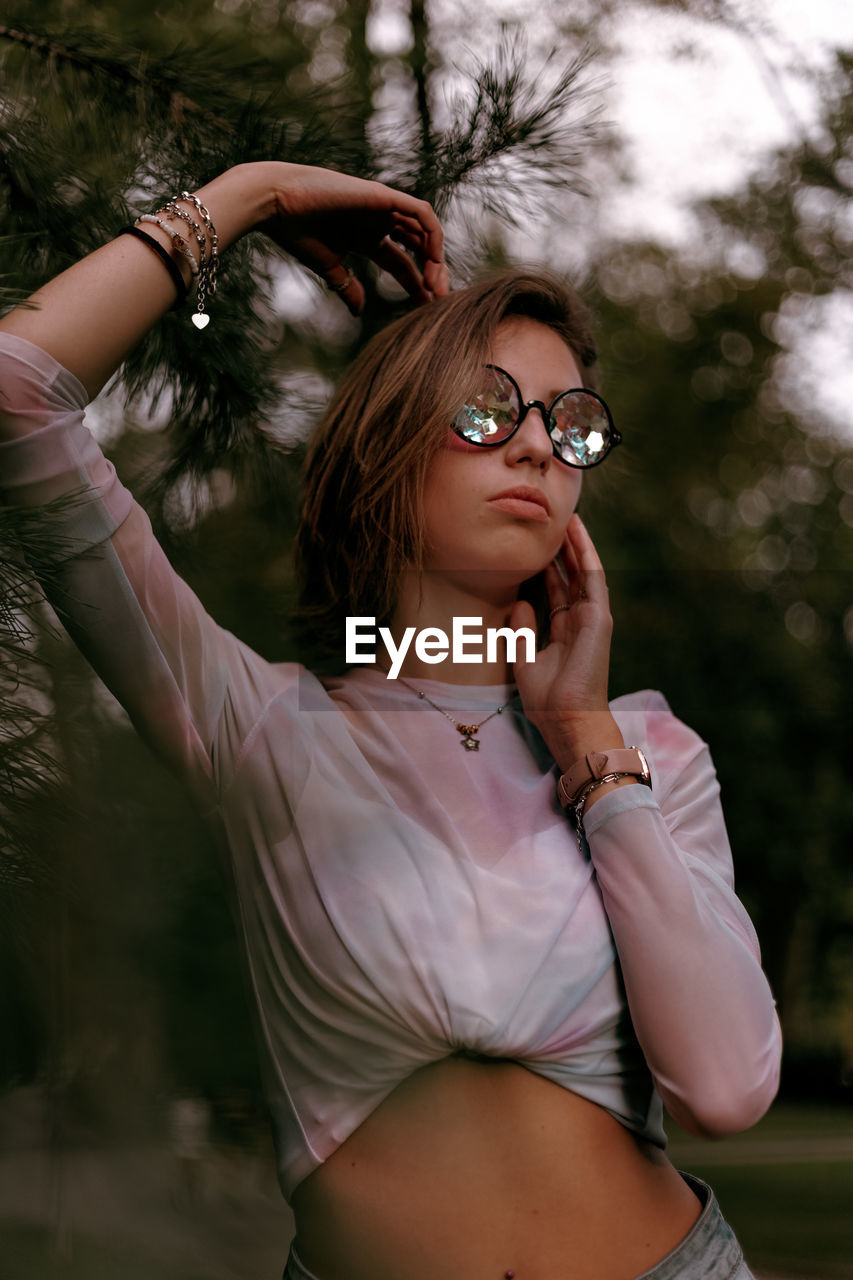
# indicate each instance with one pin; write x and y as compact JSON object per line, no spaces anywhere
{"x":709,"y":1251}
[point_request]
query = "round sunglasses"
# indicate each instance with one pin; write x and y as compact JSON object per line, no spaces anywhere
{"x":578,"y":422}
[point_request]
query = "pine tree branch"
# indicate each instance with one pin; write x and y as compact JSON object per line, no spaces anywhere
{"x":548,"y":131}
{"x":117,"y":68}
{"x":420,"y":69}
{"x":509,"y":131}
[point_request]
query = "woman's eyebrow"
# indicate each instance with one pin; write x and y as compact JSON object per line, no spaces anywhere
{"x":561,"y":390}
{"x":552,"y":395}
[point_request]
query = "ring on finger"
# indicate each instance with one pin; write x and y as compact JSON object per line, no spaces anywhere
{"x":557,"y":609}
{"x":344,"y":284}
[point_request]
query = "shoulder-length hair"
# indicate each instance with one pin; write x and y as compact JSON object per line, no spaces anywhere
{"x":361,"y":522}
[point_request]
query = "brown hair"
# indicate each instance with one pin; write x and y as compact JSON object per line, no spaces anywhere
{"x":361,"y":522}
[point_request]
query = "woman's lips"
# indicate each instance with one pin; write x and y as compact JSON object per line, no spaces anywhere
{"x":522,"y":508}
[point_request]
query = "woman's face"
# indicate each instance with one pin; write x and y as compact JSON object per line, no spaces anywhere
{"x":470,"y":527}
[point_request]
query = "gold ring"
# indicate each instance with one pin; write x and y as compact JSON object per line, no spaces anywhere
{"x":348,"y":279}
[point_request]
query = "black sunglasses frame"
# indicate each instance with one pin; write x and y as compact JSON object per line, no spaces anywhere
{"x":524,"y":408}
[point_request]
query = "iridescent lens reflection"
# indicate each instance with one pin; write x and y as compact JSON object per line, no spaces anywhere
{"x":580,"y":429}
{"x":492,"y":414}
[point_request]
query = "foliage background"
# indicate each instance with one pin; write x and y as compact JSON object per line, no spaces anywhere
{"x":726,"y":523}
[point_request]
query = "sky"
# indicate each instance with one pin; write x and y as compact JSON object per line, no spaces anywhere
{"x":702,"y":105}
{"x":697,"y":125}
{"x":697,"y":102}
{"x":699,"y":107}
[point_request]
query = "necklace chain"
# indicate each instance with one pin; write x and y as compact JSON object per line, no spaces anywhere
{"x":469,"y":732}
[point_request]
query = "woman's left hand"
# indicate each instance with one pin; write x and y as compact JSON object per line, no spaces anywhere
{"x":564,"y":692}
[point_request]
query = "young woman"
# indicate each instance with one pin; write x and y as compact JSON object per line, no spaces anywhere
{"x":489,"y":926}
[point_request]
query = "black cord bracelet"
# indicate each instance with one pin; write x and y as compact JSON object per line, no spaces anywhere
{"x":164,"y":256}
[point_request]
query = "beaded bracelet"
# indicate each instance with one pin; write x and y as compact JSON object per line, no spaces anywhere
{"x":178,"y":240}
{"x":163,"y":255}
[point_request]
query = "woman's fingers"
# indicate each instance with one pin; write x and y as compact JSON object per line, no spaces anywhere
{"x":398,"y":264}
{"x":437,"y":278}
{"x":573,"y":567}
{"x":411,"y":221}
{"x":415,"y":225}
{"x":325,"y":259}
{"x":314,"y":252}
{"x":408,"y":230}
{"x":522,"y":614}
{"x":322,"y":215}
{"x":588,"y":557}
{"x":571,"y":560}
{"x":347,"y":286}
{"x":583,"y":563}
{"x":326,"y":263}
{"x":421,"y":213}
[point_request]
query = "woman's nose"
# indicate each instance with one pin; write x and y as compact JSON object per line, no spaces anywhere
{"x":531,"y":440}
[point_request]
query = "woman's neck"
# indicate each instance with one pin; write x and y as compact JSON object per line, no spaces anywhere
{"x":466,"y":615}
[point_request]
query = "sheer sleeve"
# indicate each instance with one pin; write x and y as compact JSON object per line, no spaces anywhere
{"x":190,"y":687}
{"x":700,"y":1003}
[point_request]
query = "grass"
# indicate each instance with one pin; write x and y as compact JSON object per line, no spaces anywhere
{"x":793,"y":1217}
{"x":30,"y":1253}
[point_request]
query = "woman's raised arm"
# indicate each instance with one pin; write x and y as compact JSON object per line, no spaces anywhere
{"x":92,"y":315}
{"x":187,"y":684}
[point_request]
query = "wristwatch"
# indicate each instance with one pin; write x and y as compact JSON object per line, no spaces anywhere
{"x":597,"y":764}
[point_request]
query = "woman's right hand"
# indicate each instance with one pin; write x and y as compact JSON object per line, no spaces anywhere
{"x":319,"y":215}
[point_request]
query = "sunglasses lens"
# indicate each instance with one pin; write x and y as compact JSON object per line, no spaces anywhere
{"x":489,"y":417}
{"x":581,"y":428}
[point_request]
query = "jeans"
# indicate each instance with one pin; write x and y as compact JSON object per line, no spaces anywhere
{"x":709,"y":1251}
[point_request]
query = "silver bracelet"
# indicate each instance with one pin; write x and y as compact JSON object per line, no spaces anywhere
{"x":214,"y":238}
{"x":176,"y":211}
{"x":580,"y":804}
{"x":204,"y":270}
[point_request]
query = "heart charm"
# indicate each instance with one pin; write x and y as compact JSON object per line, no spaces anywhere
{"x":200,"y":319}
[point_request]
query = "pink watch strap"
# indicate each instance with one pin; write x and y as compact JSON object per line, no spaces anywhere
{"x":595,"y":764}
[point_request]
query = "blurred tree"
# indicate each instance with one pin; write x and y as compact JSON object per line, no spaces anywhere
{"x":735,"y":540}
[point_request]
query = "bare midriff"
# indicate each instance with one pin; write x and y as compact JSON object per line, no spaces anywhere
{"x":472,"y":1169}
